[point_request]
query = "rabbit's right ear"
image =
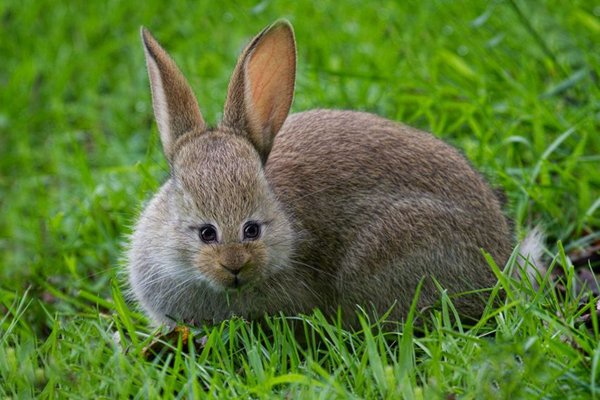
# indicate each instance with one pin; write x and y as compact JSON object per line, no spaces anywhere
{"x":262,"y":86}
{"x":175,"y":106}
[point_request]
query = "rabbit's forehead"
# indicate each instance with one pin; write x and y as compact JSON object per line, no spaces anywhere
{"x":217,"y":184}
{"x":216,"y":153}
{"x":223,"y":185}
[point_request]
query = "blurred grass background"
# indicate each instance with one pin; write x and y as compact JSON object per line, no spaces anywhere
{"x":514,"y":84}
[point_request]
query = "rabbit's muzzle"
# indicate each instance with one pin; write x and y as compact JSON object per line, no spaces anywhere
{"x":234,"y":265}
{"x":233,"y":258}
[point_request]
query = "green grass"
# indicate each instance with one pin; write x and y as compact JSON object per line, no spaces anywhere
{"x":512,"y":84}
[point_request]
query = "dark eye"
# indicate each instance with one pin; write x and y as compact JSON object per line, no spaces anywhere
{"x":251,"y":231}
{"x":208,"y":234}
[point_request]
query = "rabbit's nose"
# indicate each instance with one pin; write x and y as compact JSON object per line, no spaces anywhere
{"x":234,"y":259}
{"x":234,"y":269}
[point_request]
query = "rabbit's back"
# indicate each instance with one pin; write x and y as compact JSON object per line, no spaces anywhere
{"x":380,"y":205}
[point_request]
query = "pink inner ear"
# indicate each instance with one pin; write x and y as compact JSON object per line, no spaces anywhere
{"x":270,"y":72}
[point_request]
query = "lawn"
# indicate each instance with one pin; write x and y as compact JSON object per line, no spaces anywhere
{"x":513,"y":84}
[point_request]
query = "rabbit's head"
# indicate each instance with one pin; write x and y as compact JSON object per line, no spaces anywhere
{"x":216,"y":219}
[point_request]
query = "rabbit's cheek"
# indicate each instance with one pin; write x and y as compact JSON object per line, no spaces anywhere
{"x":258,"y":260}
{"x":207,"y":265}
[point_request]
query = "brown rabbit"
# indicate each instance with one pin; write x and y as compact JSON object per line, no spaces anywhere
{"x":322,"y":209}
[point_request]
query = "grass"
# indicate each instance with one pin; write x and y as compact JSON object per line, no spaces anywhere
{"x":514,"y":84}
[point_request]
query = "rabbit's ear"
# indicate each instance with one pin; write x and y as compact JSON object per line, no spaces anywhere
{"x":175,"y":106}
{"x":262,"y":86}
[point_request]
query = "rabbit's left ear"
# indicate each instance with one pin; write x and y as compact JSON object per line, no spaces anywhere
{"x":262,"y":86}
{"x":175,"y":106}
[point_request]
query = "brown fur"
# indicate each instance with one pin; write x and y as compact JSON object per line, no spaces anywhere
{"x":355,"y":209}
{"x":177,"y":110}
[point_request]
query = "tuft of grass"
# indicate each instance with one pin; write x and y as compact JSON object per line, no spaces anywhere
{"x":514,"y":84}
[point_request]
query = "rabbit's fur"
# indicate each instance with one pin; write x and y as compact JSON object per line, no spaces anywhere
{"x":353,"y":209}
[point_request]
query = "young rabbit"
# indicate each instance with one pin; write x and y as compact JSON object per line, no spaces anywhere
{"x":270,"y":213}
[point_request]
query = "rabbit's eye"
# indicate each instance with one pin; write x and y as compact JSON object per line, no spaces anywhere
{"x":208,"y":234}
{"x":251,"y":231}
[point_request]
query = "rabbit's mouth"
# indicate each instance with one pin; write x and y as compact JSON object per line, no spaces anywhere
{"x":240,"y":284}
{"x":237,"y":282}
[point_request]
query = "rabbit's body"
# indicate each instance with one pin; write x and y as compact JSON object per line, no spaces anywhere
{"x":324,"y":209}
{"x":378,"y":206}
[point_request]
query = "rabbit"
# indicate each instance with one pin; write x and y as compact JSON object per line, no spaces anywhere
{"x":325,"y":209}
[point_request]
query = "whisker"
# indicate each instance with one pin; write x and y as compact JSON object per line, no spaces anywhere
{"x":313,"y":268}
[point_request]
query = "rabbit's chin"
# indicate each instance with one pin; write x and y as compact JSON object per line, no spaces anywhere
{"x":236,"y":285}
